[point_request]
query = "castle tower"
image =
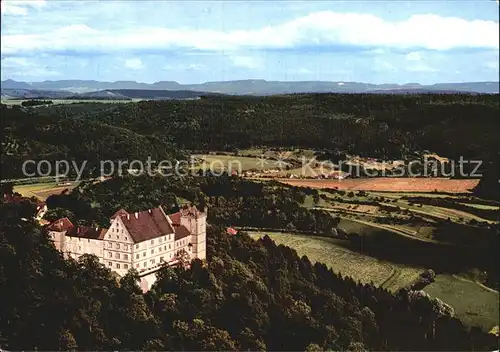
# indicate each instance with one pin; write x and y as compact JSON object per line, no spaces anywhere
{"x":196,"y":222}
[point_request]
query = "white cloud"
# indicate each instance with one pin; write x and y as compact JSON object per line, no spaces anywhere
{"x":303,"y":71}
{"x":413,"y":56}
{"x":19,"y":7}
{"x":134,"y":64}
{"x":421,"y":67}
{"x":382,"y":65}
{"x":494,"y":65}
{"x":23,"y":67}
{"x":376,"y":51}
{"x":182,"y":67}
{"x":321,"y":28}
{"x":15,"y":62}
{"x":249,"y":62}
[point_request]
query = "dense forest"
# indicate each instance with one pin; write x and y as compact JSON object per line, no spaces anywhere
{"x":251,"y":295}
{"x":381,"y":126}
{"x":30,"y":135}
{"x":232,"y":201}
{"x":248,"y":295}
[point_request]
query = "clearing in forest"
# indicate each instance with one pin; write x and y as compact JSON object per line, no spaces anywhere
{"x":344,"y":261}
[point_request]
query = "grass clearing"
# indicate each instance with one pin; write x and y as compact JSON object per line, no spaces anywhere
{"x":309,"y":202}
{"x":473,"y":303}
{"x":29,"y":190}
{"x":412,"y":194}
{"x":232,"y":163}
{"x":342,"y":260}
{"x":41,"y":190}
{"x":481,"y":206}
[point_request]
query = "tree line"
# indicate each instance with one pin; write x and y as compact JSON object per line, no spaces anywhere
{"x":250,"y":295}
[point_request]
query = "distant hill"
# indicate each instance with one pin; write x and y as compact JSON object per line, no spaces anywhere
{"x":254,"y":87}
{"x":149,"y":94}
{"x":16,"y":85}
{"x":419,"y":91}
{"x":107,"y":94}
{"x":22,"y":93}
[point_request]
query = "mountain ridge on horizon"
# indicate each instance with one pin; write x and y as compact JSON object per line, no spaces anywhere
{"x":251,"y":86}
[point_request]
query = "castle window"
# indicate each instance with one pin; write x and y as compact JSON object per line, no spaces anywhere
{"x":137,"y":256}
{"x":136,"y":246}
{"x":165,"y":247}
{"x":169,"y":246}
{"x":144,"y":264}
{"x":110,"y":264}
{"x":117,"y":266}
{"x":152,"y":241}
{"x":125,"y":246}
{"x":110,"y":254}
{"x":79,"y":248}
{"x":161,"y":259}
{"x":126,"y":266}
{"x":144,"y":253}
{"x":117,"y":246}
{"x":117,"y":255}
{"x":110,"y":244}
{"x":152,"y":251}
{"x":125,"y":256}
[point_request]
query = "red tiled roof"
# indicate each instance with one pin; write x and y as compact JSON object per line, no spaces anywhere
{"x":146,"y":225}
{"x":119,"y":213}
{"x":61,"y":225}
{"x":88,"y":232}
{"x":231,"y":231}
{"x":190,"y":211}
{"x":181,"y":232}
{"x":176,"y":218}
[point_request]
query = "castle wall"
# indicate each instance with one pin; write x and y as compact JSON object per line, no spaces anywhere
{"x":118,"y":247}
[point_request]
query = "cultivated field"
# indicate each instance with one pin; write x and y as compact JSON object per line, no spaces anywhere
{"x":473,"y":303}
{"x":41,"y":190}
{"x":391,"y":184}
{"x":231,"y":163}
{"x":342,"y":260}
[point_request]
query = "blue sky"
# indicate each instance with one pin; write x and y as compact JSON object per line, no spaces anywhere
{"x":193,"y":41}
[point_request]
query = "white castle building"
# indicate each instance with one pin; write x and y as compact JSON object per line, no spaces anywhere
{"x":141,"y":240}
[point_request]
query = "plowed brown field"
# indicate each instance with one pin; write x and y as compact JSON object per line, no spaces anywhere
{"x":391,"y":184}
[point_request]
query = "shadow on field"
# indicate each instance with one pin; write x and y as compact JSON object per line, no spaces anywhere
{"x":441,"y":258}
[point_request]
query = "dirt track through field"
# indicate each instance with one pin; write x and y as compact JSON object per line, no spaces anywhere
{"x":45,"y":193}
{"x":391,"y":184}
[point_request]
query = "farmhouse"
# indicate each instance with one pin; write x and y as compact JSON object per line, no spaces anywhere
{"x":141,"y":240}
